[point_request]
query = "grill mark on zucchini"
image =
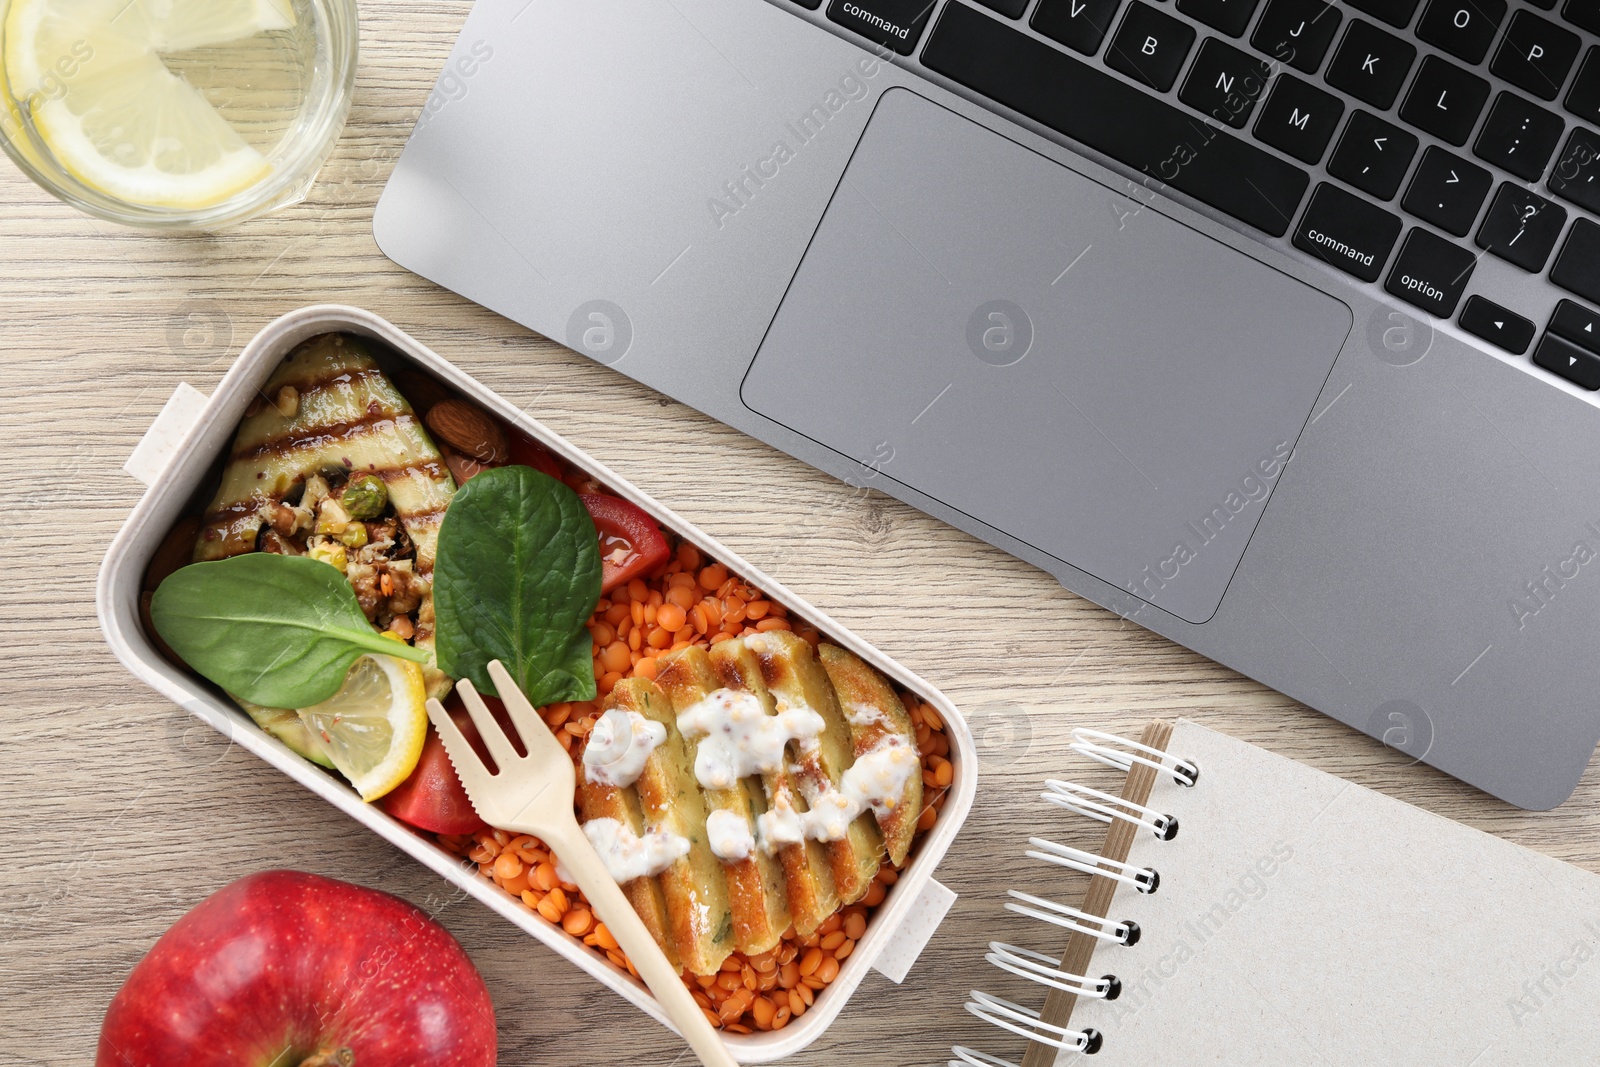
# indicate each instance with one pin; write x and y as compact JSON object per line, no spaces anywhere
{"x":309,"y":437}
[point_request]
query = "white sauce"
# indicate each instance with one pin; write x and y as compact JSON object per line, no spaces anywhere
{"x":738,"y":738}
{"x":865,"y":715}
{"x":830,"y":816}
{"x":729,"y":835}
{"x":877,"y":780}
{"x":627,"y":855}
{"x":780,"y":826}
{"x":619,"y":745}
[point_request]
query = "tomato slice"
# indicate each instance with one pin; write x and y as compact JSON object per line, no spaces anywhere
{"x":526,"y":452}
{"x":433,"y":798}
{"x":631,"y":544}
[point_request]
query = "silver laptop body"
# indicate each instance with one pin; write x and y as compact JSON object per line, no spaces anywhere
{"x":1182,"y":415}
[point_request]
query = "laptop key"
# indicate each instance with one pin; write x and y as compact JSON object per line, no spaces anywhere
{"x":1079,"y":24}
{"x":1224,"y":83}
{"x":1370,"y":64}
{"x":1171,"y":146}
{"x":1577,"y":268}
{"x":1444,"y":100}
{"x":1576,"y":365}
{"x":1535,"y":54}
{"x":1585,"y":14}
{"x":1577,"y":324}
{"x":1576,"y":175}
{"x":1372,"y":155}
{"x":1447,"y":191}
{"x":1394,"y":12}
{"x":1583,"y":99}
{"x":1299,"y":118}
{"x":1296,"y":32}
{"x":1522,"y":227}
{"x":898,"y":24}
{"x":1500,"y":327}
{"x":1150,"y":46}
{"x":1009,"y":8}
{"x":1464,"y":28}
{"x":1431,"y":273}
{"x":1519,"y":136}
{"x":1226,"y":16}
{"x":1345,"y":231}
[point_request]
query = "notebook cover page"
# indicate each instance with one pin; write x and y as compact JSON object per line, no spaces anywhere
{"x":1302,"y":919}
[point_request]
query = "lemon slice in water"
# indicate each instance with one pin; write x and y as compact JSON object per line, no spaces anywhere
{"x":374,"y":727}
{"x":110,"y":111}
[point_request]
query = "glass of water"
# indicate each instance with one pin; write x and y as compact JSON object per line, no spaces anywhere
{"x":175,"y":114}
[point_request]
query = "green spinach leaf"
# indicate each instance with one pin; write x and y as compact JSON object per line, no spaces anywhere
{"x":279,"y":631}
{"x":516,"y":577}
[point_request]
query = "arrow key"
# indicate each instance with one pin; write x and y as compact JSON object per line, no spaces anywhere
{"x":1447,"y":191}
{"x":1577,"y":324}
{"x":1577,"y":365}
{"x":1501,"y":328}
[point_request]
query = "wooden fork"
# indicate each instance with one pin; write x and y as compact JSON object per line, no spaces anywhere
{"x":533,"y":794}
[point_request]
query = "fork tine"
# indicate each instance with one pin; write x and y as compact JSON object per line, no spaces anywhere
{"x":523,"y":714}
{"x":494,"y":737}
{"x":474,"y":775}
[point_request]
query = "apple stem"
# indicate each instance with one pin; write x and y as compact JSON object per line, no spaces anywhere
{"x":330,"y":1057}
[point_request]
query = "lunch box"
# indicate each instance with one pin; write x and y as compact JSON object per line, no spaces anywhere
{"x":180,"y":452}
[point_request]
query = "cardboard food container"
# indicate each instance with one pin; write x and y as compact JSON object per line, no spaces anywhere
{"x":177,"y":458}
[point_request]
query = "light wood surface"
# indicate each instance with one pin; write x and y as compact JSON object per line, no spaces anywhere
{"x":118,"y":815}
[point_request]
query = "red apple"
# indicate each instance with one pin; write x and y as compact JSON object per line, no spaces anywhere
{"x":290,"y":969}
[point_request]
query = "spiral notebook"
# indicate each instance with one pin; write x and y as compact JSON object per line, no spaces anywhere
{"x":1249,"y":910}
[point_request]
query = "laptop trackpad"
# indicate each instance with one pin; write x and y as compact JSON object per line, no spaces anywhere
{"x":1047,"y":355}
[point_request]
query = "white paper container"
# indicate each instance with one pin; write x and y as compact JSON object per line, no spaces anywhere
{"x":176,"y":456}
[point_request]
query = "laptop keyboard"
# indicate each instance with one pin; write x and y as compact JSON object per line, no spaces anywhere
{"x":1477,"y":144}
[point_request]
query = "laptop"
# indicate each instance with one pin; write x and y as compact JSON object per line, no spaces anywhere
{"x":1270,"y":325}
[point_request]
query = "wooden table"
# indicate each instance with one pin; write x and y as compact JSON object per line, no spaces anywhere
{"x":119,"y":815}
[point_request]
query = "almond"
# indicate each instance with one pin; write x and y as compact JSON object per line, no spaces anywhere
{"x":462,"y":468}
{"x":469,"y":429}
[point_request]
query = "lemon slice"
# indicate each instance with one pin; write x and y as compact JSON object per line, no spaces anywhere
{"x":111,"y":112}
{"x":178,"y":25}
{"x":374,"y":727}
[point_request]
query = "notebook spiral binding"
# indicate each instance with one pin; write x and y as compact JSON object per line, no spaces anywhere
{"x":1122,"y":754}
